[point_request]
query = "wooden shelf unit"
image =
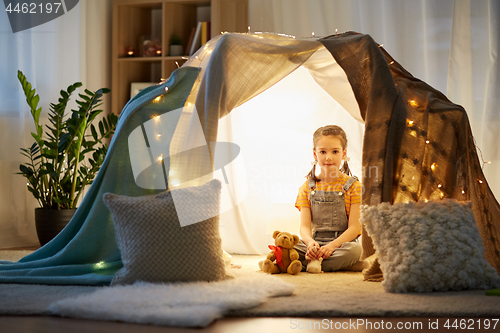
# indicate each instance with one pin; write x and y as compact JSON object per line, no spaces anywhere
{"x":160,"y":19}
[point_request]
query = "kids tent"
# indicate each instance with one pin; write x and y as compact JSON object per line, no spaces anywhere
{"x":419,"y":142}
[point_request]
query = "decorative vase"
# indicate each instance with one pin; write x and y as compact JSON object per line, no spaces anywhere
{"x":176,"y":50}
{"x":49,"y":222}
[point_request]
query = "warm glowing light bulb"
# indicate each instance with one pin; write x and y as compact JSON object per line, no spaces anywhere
{"x":463,"y":192}
{"x":413,"y":102}
{"x":391,"y":62}
{"x":480,"y":181}
{"x":433,"y":166}
{"x":427,"y":141}
{"x":439,"y":185}
{"x":100,"y":264}
{"x":158,"y":135}
{"x":157,"y":99}
{"x":410,"y":122}
{"x":160,"y":158}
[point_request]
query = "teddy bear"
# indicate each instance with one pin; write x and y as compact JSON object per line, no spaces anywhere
{"x":283,"y":258}
{"x":314,"y":265}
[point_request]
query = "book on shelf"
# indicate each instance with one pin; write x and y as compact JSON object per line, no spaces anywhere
{"x":201,"y":35}
{"x":196,"y":39}
{"x":190,"y":41}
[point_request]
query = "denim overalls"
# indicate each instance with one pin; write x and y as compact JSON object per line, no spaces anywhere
{"x":328,"y":221}
{"x":328,"y":214}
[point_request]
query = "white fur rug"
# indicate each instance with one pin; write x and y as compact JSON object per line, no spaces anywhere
{"x":184,"y":305}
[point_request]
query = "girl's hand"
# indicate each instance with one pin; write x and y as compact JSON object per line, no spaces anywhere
{"x":326,"y":250}
{"x":311,"y":252}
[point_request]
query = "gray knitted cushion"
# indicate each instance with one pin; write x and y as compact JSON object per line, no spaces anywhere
{"x":428,"y":246}
{"x":153,"y":245}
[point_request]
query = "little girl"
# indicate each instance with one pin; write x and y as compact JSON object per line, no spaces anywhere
{"x":329,"y":205}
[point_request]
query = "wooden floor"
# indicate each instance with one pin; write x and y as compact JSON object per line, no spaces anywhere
{"x":19,"y":324}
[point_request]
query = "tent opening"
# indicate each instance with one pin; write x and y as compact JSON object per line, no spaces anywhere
{"x":274,"y":132}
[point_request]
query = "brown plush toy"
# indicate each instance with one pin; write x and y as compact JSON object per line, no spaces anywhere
{"x":283,"y":258}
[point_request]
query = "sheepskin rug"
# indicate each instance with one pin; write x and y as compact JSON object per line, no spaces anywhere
{"x":428,"y":246}
{"x":195,"y":304}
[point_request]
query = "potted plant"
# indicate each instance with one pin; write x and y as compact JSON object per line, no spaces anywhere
{"x":64,"y":158}
{"x":175,"y":45}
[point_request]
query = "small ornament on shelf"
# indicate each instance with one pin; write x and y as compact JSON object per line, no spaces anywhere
{"x":150,"y":46}
{"x":130,"y":52}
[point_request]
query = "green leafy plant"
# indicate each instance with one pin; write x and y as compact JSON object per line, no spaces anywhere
{"x":175,"y":40}
{"x":64,"y":159}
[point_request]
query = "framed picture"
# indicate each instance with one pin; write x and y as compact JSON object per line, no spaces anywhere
{"x":136,"y":87}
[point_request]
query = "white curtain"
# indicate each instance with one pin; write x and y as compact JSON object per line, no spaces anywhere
{"x":451,"y":45}
{"x":74,"y":47}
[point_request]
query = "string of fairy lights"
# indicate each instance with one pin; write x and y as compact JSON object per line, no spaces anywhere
{"x":414,"y":104}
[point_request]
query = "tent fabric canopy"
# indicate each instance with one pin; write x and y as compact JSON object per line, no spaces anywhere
{"x":419,"y":142}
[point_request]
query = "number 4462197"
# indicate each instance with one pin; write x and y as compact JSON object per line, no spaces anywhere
{"x":33,"y":8}
{"x":471,"y":324}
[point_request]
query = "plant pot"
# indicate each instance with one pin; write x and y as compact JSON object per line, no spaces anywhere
{"x":49,"y":222}
{"x":176,"y":50}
